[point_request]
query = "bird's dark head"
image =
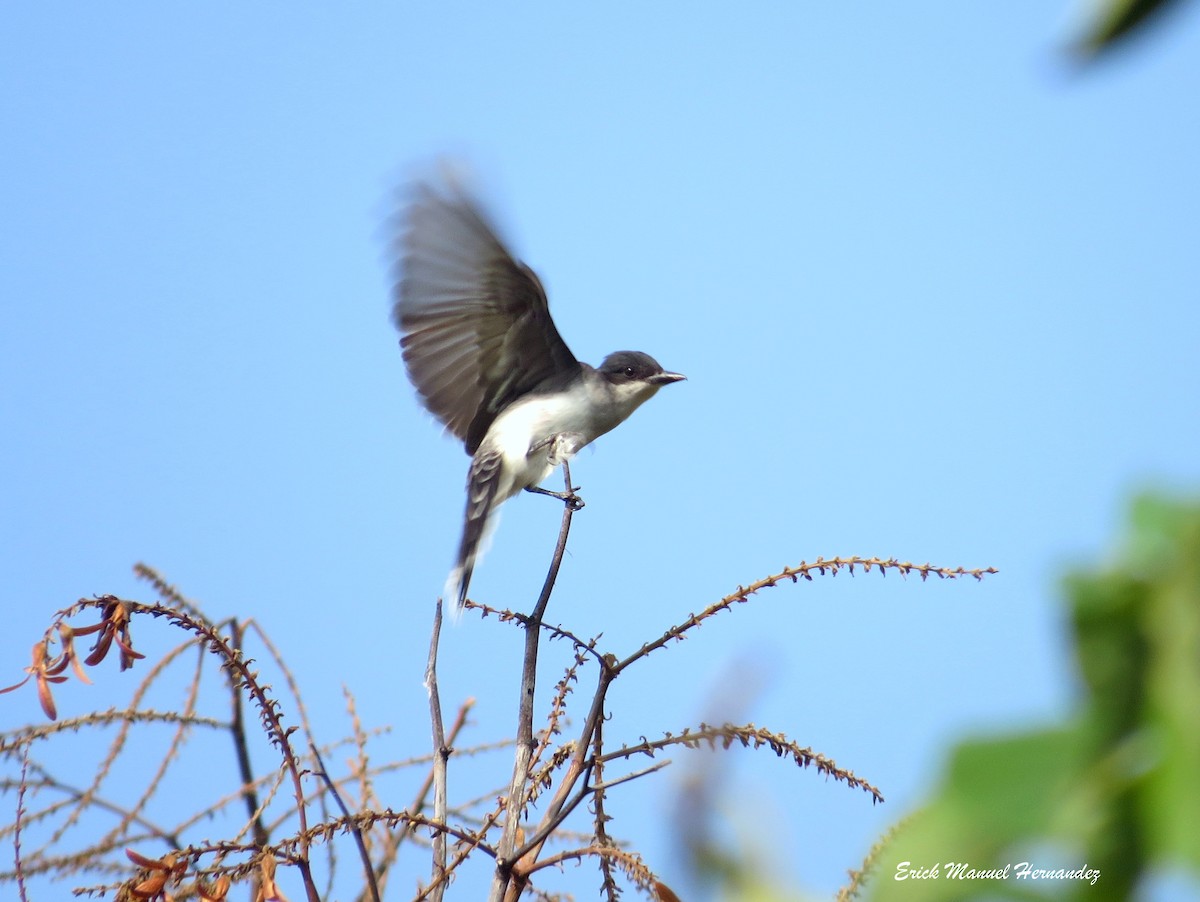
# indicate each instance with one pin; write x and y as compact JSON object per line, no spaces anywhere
{"x":627,"y":367}
{"x":631,"y":378}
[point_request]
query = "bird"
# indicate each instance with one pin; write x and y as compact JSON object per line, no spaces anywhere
{"x":486,"y":359}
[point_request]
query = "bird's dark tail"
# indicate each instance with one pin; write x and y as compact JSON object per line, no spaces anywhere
{"x":483,"y":484}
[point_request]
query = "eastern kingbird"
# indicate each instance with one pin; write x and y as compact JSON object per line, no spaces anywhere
{"x":487,"y":361}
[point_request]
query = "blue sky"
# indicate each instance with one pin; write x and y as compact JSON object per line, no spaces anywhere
{"x":935,"y":292}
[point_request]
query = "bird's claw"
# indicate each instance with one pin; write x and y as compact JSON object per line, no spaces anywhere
{"x":570,"y":499}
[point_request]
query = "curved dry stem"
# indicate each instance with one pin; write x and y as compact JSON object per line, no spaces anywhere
{"x":748,"y":736}
{"x":804,"y":570}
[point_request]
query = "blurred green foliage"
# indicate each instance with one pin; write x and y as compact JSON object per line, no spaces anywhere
{"x":1116,"y":788}
{"x":1115,"y":20}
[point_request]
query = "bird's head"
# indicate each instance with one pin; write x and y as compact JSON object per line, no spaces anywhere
{"x":635,"y":376}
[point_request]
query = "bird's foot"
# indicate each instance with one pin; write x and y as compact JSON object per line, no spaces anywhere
{"x":570,"y":499}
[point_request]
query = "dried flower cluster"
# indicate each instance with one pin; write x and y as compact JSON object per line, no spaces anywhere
{"x":47,"y":668}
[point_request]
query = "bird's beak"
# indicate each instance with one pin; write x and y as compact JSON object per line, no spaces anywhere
{"x":666,"y":378}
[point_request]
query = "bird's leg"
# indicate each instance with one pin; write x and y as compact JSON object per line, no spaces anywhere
{"x":569,"y":498}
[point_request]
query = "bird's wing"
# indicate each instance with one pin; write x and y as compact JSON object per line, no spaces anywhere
{"x":476,"y":326}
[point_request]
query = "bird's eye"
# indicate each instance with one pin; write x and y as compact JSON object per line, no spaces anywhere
{"x":629,"y":371}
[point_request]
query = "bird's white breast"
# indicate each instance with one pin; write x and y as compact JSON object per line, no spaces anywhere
{"x":537,"y":433}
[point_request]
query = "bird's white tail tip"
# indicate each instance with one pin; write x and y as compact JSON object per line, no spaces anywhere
{"x":451,"y":592}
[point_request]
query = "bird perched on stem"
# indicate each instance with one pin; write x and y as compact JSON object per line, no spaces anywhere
{"x":488,"y":362}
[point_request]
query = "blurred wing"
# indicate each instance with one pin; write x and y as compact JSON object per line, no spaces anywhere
{"x":475,"y":323}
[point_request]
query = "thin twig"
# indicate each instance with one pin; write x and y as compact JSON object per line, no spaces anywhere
{"x":579,"y":766}
{"x":524,"y":752}
{"x":748,"y":736}
{"x":238,"y":730}
{"x":609,"y":883}
{"x":17,"y":864}
{"x":554,"y":632}
{"x":625,"y":778}
{"x":470,"y":842}
{"x":355,"y":830}
{"x":73,"y":794}
{"x":440,"y":756}
{"x":630,"y":864}
{"x":860,"y":876}
{"x":803,"y":570}
{"x":396,"y":838}
{"x":460,"y":721}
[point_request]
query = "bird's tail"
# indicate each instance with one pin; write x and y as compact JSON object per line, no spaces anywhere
{"x":483,"y":483}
